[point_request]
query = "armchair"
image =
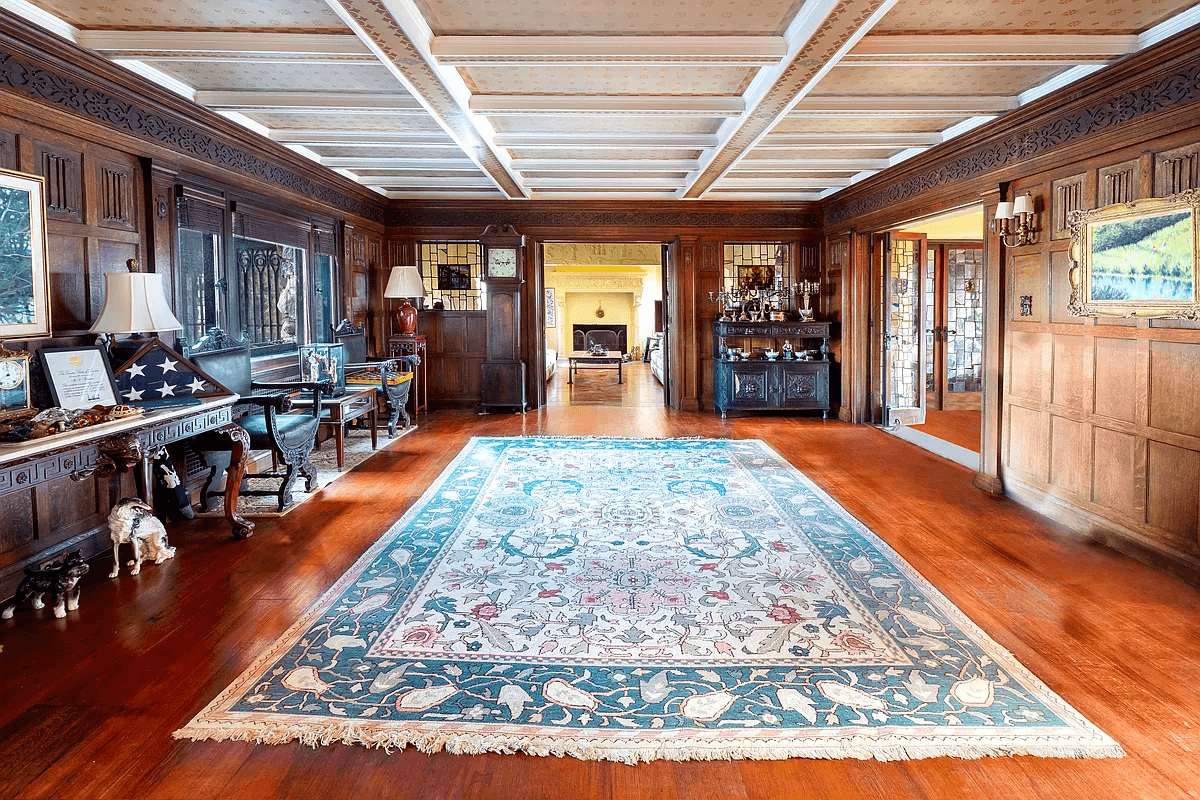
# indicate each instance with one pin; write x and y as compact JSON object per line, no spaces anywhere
{"x":262,"y":413}
{"x":392,"y":377}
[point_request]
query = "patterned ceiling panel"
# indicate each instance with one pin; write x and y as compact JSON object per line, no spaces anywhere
{"x":797,"y":122}
{"x":735,"y":17}
{"x":282,"y":77}
{"x":781,"y":179}
{"x":948,"y":81}
{"x":413,"y":176}
{"x":279,"y":15}
{"x":604,"y":79}
{"x":1030,"y":16}
{"x":589,"y":174}
{"x":397,"y":150}
{"x":603,"y":124}
{"x":350,"y":122}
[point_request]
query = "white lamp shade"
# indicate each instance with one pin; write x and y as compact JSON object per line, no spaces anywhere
{"x":1004,"y":210}
{"x":405,"y":282}
{"x":134,"y":302}
{"x":1024,"y":205}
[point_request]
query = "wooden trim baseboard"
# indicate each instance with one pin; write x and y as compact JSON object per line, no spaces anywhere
{"x":1110,"y":534}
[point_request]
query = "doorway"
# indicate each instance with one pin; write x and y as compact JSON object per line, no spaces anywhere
{"x":930,"y":285}
{"x":608,"y":296}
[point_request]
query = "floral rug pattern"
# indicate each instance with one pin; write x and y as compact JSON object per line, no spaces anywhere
{"x":634,"y":599}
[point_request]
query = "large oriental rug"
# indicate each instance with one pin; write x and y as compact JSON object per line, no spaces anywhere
{"x":633,"y":599}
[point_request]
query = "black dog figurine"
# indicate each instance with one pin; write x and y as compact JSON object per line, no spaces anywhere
{"x":60,"y":579}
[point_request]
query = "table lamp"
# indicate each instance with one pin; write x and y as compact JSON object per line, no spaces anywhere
{"x":405,"y":282}
{"x":134,"y":303}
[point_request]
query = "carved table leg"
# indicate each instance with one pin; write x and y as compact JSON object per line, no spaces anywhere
{"x":238,"y":450}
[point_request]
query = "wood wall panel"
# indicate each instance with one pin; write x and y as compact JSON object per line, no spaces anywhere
{"x":1174,"y":391}
{"x":1116,"y":480}
{"x":1173,"y":480}
{"x":8,"y":150}
{"x":1030,"y":366}
{"x":1029,"y":280}
{"x":1117,"y":379}
{"x":1071,"y":456}
{"x":1028,"y":437}
{"x":69,"y":290}
{"x":1120,"y":183}
{"x":1072,"y":370}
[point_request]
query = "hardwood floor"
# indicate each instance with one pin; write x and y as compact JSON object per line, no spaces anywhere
{"x":957,"y":427}
{"x":90,"y":701}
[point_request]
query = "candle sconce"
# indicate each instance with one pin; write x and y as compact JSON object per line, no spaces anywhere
{"x":751,"y":305}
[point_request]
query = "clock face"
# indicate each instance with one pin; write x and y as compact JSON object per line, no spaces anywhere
{"x":502,"y":262}
{"x":11,"y":373}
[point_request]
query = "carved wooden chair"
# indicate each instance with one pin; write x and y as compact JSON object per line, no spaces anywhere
{"x":262,"y":412}
{"x":391,"y":377}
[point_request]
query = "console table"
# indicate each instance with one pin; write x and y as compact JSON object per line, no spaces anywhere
{"x":102,"y":450}
{"x":761,"y":384}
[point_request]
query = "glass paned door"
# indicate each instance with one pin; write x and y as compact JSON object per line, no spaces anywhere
{"x":903,"y":334}
{"x":953,"y":310}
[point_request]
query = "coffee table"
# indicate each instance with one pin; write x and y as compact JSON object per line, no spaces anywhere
{"x":337,"y":411}
{"x":582,"y":359}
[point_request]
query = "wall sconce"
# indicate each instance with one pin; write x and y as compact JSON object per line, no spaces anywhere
{"x":1014,"y":222}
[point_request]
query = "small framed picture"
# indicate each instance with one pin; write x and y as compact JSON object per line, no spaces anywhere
{"x":14,"y":382}
{"x":324,"y":362}
{"x":79,"y":377}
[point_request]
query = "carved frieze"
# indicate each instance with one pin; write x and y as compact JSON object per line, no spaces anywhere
{"x":1165,"y":94}
{"x":421,"y":217}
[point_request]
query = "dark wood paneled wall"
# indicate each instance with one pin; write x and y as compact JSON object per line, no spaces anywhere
{"x":1093,"y":421}
{"x":112,"y":147}
{"x":695,"y":232}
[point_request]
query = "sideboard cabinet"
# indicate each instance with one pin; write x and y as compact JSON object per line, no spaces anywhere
{"x":757,"y":383}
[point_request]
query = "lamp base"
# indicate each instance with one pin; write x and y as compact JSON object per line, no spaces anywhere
{"x":406,"y":319}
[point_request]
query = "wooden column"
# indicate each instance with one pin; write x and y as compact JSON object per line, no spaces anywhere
{"x":995,"y":256}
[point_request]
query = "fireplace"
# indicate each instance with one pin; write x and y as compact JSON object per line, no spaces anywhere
{"x":579,"y":336}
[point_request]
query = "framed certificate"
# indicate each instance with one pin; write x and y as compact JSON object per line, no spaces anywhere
{"x":79,"y":377}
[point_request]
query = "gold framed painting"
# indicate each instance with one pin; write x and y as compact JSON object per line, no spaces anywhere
{"x":24,"y":274}
{"x":1136,"y":259}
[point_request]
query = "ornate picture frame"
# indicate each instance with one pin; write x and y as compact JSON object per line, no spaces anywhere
{"x":1137,"y":259}
{"x":551,"y":309}
{"x":24,"y":270}
{"x":79,"y":377}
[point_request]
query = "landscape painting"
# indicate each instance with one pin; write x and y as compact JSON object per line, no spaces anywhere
{"x":1146,"y":259}
{"x":1136,"y":259}
{"x":24,"y":306}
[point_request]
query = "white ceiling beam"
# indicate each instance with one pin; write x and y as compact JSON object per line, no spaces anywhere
{"x":941,"y":49}
{"x":809,"y":165}
{"x":717,"y":193}
{"x":354,"y":138}
{"x":251,"y":100}
{"x":364,"y":163}
{"x":924,"y":105}
{"x":730,"y":183}
{"x":846,"y":141}
{"x":613,"y":141}
{"x":624,"y":105}
{"x":602,"y":165}
{"x":818,"y":37}
{"x":227,"y":46}
{"x":737,"y":50}
{"x":400,"y":38}
{"x":586,"y":183}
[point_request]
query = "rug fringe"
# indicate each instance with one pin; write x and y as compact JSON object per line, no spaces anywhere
{"x":631,"y":753}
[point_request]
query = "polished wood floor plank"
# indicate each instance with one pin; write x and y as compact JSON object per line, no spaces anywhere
{"x":91,"y":700}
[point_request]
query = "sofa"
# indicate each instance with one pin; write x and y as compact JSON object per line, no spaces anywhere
{"x":654,"y":354}
{"x":551,"y":362}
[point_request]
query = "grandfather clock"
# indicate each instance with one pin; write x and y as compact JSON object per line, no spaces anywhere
{"x":503,"y":371}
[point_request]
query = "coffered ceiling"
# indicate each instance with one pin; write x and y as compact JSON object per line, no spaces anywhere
{"x":654,"y":99}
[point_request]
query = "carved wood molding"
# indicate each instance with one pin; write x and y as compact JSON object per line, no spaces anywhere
{"x":44,"y":85}
{"x":1164,"y":94}
{"x":524,"y":217}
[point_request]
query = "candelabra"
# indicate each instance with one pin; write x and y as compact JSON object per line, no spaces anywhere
{"x":805,"y":289}
{"x":753,"y":305}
